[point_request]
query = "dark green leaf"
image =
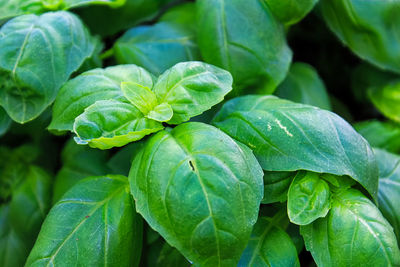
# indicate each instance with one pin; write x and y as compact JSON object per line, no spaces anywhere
{"x":276,"y":186}
{"x":191,"y":88}
{"x":354,"y":233}
{"x":5,"y":121}
{"x":244,"y":38}
{"x":308,"y":198}
{"x":37,"y":56}
{"x":286,"y":137}
{"x":93,"y":224}
{"x":200,"y":190}
{"x":291,"y":11}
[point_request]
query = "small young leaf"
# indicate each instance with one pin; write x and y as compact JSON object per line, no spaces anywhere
{"x":354,"y":233}
{"x":191,"y":88}
{"x":161,"y":113}
{"x":308,"y":198}
{"x":140,"y":96}
{"x":200,"y":190}
{"x":111,"y":123}
{"x":93,"y":224}
{"x":276,"y":186}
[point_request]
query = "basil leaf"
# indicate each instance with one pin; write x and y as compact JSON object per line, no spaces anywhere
{"x":170,"y":257}
{"x":368,"y":28}
{"x":191,"y":88}
{"x":78,"y":162}
{"x":93,"y":223}
{"x":13,"y":8}
{"x":292,"y":11}
{"x":303,"y":85}
{"x":387,"y":99}
{"x":196,"y":167}
{"x":269,"y":245}
{"x":157,"y":47}
{"x":366,"y":237}
{"x":140,"y":96}
{"x":89,"y":87}
{"x":389,"y":188}
{"x":161,"y":113}
{"x":37,"y":56}
{"x":244,"y":38}
{"x":110,"y":123}
{"x":385,"y":135}
{"x":286,"y":137}
{"x":308,"y":198}
{"x":182,"y":15}
{"x":5,"y":121}
{"x":69,"y":4}
{"x":276,"y":186}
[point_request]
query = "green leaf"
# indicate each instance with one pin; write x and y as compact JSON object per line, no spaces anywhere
{"x":132,"y":13}
{"x":37,"y":56}
{"x":385,"y":135}
{"x":13,"y":8}
{"x":183,"y":15}
{"x":5,"y":121}
{"x":292,"y":11}
{"x":244,"y":38}
{"x":269,"y":245}
{"x":69,"y":4}
{"x":161,"y":113}
{"x":286,"y":136}
{"x":389,"y":188}
{"x":121,"y":162}
{"x":308,"y":198}
{"x":368,"y":28}
{"x":191,"y":88}
{"x":99,"y":84}
{"x":110,"y":123}
{"x":276,"y":186}
{"x":94,"y":223}
{"x":387,"y":99}
{"x":365,"y":239}
{"x":303,"y":85}
{"x":140,"y":96}
{"x":171,"y":257}
{"x":157,"y":47}
{"x":78,"y":162}
{"x":200,"y":190}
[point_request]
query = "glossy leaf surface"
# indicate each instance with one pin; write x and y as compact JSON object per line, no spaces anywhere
{"x":37,"y":56}
{"x":204,"y":199}
{"x":303,"y":85}
{"x":365,"y":238}
{"x":93,"y":224}
{"x":387,"y":99}
{"x":244,"y":38}
{"x":140,"y":96}
{"x":291,"y":11}
{"x":286,"y":136}
{"x":191,"y":88}
{"x":91,"y":86}
{"x":308,"y":198}
{"x":110,"y":123}
{"x":269,"y":245}
{"x":389,"y":188}
{"x":368,"y":28}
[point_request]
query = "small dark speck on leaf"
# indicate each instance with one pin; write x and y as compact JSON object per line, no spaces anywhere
{"x":191,"y":165}
{"x":87,"y":216}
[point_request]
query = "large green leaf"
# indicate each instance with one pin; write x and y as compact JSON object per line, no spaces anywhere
{"x":93,"y":224}
{"x":37,"y":56}
{"x":387,"y":99}
{"x":292,"y":11}
{"x":303,"y":85}
{"x":78,"y":162}
{"x":389,"y":188}
{"x":244,"y":38}
{"x":111,"y":123}
{"x":369,"y":28}
{"x":13,"y":8}
{"x":22,"y":216}
{"x":269,"y":245}
{"x":5,"y":121}
{"x":385,"y":135}
{"x":191,"y":88}
{"x":157,"y":47}
{"x":200,"y":190}
{"x":308,"y":198}
{"x":91,"y":86}
{"x":286,"y":136}
{"x":354,"y":233}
